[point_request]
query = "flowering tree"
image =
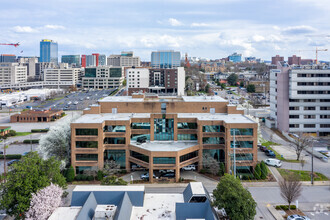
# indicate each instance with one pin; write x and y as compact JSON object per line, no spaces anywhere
{"x":44,"y":202}
{"x":57,"y":142}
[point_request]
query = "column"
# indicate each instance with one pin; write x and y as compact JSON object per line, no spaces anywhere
{"x":151,"y":168}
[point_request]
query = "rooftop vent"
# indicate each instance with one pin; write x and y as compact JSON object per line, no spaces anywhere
{"x":105,"y":212}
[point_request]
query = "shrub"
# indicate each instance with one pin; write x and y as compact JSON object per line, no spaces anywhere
{"x":203,"y":171}
{"x":264,"y":171}
{"x":257,"y":172}
{"x":285,"y":207}
{"x":70,"y":174}
{"x":11,"y":156}
{"x":83,"y":177}
{"x":222,"y":169}
{"x":78,"y":177}
{"x":123,"y":171}
{"x":113,"y":180}
{"x":39,"y":130}
{"x":100,"y":175}
{"x":247,"y":176}
{"x":33,"y":141}
{"x":90,"y":178}
{"x":12,"y":133}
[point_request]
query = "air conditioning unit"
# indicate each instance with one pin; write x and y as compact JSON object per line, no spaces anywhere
{"x":105,"y":212}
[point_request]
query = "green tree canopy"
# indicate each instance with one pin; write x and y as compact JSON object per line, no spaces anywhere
{"x":257,"y":172}
{"x":232,"y":79}
{"x":25,"y":177}
{"x":251,"y":88}
{"x":234,"y":198}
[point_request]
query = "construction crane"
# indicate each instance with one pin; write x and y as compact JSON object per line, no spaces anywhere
{"x":316,"y":53}
{"x":11,"y":44}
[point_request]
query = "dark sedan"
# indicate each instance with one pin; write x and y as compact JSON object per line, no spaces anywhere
{"x":270,"y":153}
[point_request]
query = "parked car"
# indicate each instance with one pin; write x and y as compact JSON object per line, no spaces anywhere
{"x":145,"y":176}
{"x":87,"y":98}
{"x":270,"y":153}
{"x":297,"y":217}
{"x":141,"y":139}
{"x":75,"y":103}
{"x":273,"y":162}
{"x":69,"y":103}
{"x":1,"y":152}
{"x":168,"y":175}
{"x":137,"y":167}
{"x":28,"y":106}
{"x":262,"y":148}
{"x":11,"y":162}
{"x":189,"y":167}
{"x":165,"y":171}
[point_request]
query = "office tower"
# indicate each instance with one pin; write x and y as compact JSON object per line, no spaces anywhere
{"x":74,"y":60}
{"x":102,"y":77}
{"x":235,"y":58}
{"x":300,"y":99}
{"x":48,"y":51}
{"x":12,"y":73}
{"x":7,"y":58}
{"x":83,"y":61}
{"x":102,"y":60}
{"x":62,"y":75}
{"x":165,"y":59}
{"x":277,"y":59}
{"x":30,"y":62}
{"x":125,"y":59}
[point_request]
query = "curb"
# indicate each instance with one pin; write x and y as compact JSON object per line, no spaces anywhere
{"x":274,"y":213}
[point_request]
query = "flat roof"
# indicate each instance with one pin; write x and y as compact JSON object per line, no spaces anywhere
{"x":197,"y":188}
{"x":203,"y":99}
{"x":120,"y":99}
{"x":165,"y":145}
{"x":93,"y":188}
{"x":99,"y":118}
{"x":228,"y":118}
{"x":65,"y":213}
{"x":157,"y":206}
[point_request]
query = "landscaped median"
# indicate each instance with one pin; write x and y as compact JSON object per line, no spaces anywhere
{"x":302,"y":175}
{"x":278,"y":156}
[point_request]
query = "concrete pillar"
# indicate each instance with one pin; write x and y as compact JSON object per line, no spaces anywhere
{"x":151,"y":168}
{"x":152,"y":124}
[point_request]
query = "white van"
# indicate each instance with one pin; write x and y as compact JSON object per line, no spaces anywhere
{"x":189,"y":167}
{"x":273,"y":162}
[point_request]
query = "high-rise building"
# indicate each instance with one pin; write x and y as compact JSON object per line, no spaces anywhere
{"x":165,"y":59}
{"x":30,"y":62}
{"x":102,"y":60}
{"x":277,"y":59}
{"x":294,"y":60}
{"x":90,"y":60}
{"x":300,"y":99}
{"x":125,"y":59}
{"x":62,"y":75}
{"x":74,"y":60}
{"x":12,"y":73}
{"x":235,"y":58}
{"x":7,"y":58}
{"x":83,"y":61}
{"x":48,"y":51}
{"x":40,"y":67}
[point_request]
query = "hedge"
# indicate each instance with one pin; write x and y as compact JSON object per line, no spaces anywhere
{"x":33,"y":141}
{"x":39,"y":130}
{"x":285,"y":207}
{"x":11,"y":156}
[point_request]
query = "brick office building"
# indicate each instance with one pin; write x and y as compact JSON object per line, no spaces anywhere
{"x":36,"y":116}
{"x":179,"y":131}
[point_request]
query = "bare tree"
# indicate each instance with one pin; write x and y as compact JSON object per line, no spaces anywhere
{"x":211,"y":164}
{"x":301,"y":143}
{"x":111,"y":167}
{"x":291,"y":188}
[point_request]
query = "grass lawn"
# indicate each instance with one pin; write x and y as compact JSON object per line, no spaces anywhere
{"x":303,"y":175}
{"x":278,"y":156}
{"x":22,"y":133}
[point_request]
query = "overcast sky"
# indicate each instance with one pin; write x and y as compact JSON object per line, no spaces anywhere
{"x":209,"y":28}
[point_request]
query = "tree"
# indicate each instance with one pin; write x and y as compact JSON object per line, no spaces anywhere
{"x":223,"y":86}
{"x":207,"y":88}
{"x":124,"y":82}
{"x":264,"y":171}
{"x":302,"y":163}
{"x":251,"y":88}
{"x":70,"y":174}
{"x":44,"y":202}
{"x":241,"y":84}
{"x":111,"y":167}
{"x":222,"y":169}
{"x":211,"y":164}
{"x":113,"y":180}
{"x":232,"y":79}
{"x":301,"y":143}
{"x":26,"y":177}
{"x":57,"y":142}
{"x":234,"y":198}
{"x":257,"y":172}
{"x":291,"y":188}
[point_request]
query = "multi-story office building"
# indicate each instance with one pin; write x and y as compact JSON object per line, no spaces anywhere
{"x":62,"y":75}
{"x":102,"y":77}
{"x":300,"y":98}
{"x":40,"y":67}
{"x":125,"y":59}
{"x":90,"y":60}
{"x":30,"y":63}
{"x":235,"y":58}
{"x":73,"y":60}
{"x":294,"y":60}
{"x":179,"y":132}
{"x":277,"y":59}
{"x":48,"y":51}
{"x":156,"y":80}
{"x":12,"y":73}
{"x":8,"y":58}
{"x":165,"y":59}
{"x":102,"y":60}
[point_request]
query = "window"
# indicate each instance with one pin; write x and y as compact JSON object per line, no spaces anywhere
{"x":114,"y":128}
{"x":83,"y":157}
{"x":241,"y":131}
{"x":187,"y":137}
{"x":164,"y":160}
{"x":213,"y":140}
{"x":325,"y":108}
{"x":213,"y":128}
{"x":242,"y":144}
{"x":140,"y":125}
{"x":309,"y":100}
{"x":295,"y":108}
{"x":309,"y":125}
{"x":293,"y":125}
{"x":188,"y":156}
{"x":86,"y":131}
{"x":164,"y":129}
{"x":187,"y":125}
{"x":293,"y":100}
{"x":293,"y":116}
{"x":119,"y":140}
{"x":86,"y":144}
{"x":247,"y":156}
{"x":119,"y":156}
{"x":309,"y":108}
{"x":134,"y":137}
{"x":324,"y":116}
{"x":163,"y":108}
{"x":139,"y":156}
{"x":324,"y":125}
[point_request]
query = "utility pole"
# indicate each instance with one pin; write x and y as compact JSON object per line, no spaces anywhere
{"x":312,"y":175}
{"x":234,"y":154}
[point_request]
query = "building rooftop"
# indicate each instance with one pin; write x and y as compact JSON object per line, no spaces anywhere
{"x":228,"y":118}
{"x":99,"y":118}
{"x":65,"y":213}
{"x":95,"y":188}
{"x":165,"y":145}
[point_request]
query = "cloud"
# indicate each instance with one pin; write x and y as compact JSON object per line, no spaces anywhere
{"x":24,"y":29}
{"x":258,"y":38}
{"x":174,"y":22}
{"x":302,"y":29}
{"x":54,"y":27}
{"x":200,"y":25}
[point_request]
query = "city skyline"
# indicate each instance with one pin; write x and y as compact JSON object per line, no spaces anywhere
{"x":212,"y":29}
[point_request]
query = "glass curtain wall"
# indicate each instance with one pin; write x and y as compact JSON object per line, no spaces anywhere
{"x":164,"y":129}
{"x":119,"y":156}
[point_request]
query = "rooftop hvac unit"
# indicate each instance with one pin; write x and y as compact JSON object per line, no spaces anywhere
{"x":105,"y":212}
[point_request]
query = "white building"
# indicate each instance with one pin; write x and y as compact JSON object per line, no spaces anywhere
{"x":40,"y":67}
{"x":300,"y":98}
{"x":137,"y":78}
{"x":125,"y":59}
{"x":62,"y":75}
{"x":11,"y":73}
{"x":102,"y":77}
{"x":30,"y":62}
